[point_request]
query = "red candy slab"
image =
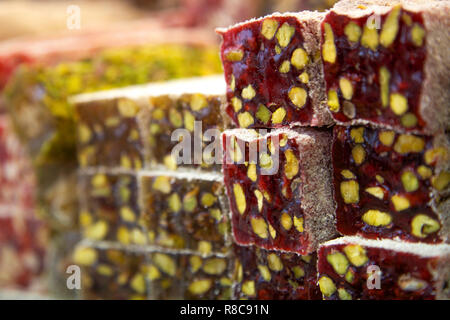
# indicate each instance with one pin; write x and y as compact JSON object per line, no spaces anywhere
{"x":386,"y":64}
{"x":273,"y":78}
{"x":391,"y":185}
{"x":281,"y":199}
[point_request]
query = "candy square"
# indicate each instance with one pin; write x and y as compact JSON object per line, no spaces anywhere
{"x":193,"y":109}
{"x":272,"y":74}
{"x":108,"y":134}
{"x":281,"y":192}
{"x":386,"y":63}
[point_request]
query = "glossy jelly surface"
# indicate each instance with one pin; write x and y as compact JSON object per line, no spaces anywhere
{"x":374,"y":67}
{"x":383,"y":183}
{"x":264,"y":63}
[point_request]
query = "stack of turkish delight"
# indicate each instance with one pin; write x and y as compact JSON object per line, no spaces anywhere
{"x":378,"y":73}
{"x":41,"y":74}
{"x":333,"y":125}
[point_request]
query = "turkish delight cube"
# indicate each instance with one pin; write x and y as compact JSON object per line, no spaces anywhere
{"x":279,"y":187}
{"x":186,"y":114}
{"x":111,"y":274}
{"x":273,"y":76}
{"x":38,"y":95}
{"x":386,"y":63}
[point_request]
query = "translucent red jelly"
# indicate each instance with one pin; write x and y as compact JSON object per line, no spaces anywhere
{"x":260,"y":67}
{"x":382,"y":167}
{"x":267,"y":200}
{"x":404,"y":276}
{"x":403,"y":59}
